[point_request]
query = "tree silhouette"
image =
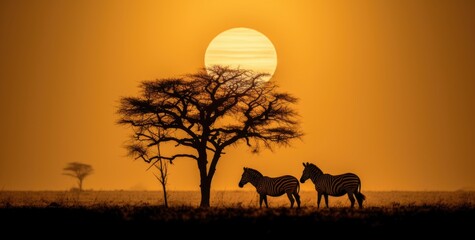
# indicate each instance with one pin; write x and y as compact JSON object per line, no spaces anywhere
{"x":162,"y":167}
{"x":152,"y":153}
{"x":78,"y":170}
{"x":201,"y":114}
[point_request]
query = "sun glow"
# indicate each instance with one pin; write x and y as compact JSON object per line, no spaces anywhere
{"x":242,"y":48}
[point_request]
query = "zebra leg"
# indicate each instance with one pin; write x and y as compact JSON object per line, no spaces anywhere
{"x":297,"y":198}
{"x":326,"y":199}
{"x":289,"y":195}
{"x":352,"y":199}
{"x":265,"y":201}
{"x":319,"y":198}
{"x":261,"y":199}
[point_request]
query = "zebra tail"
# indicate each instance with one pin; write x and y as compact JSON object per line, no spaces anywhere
{"x":362,"y":196}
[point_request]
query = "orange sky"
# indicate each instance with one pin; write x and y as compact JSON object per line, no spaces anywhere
{"x":386,"y":88}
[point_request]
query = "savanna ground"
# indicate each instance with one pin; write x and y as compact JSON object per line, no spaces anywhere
{"x":392,"y":214}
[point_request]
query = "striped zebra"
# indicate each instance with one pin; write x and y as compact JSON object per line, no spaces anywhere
{"x":333,"y":185}
{"x":272,"y":186}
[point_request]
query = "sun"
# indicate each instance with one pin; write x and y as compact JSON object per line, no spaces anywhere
{"x":243,"y":48}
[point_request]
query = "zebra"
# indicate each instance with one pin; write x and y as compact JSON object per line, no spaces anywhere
{"x":272,"y":186}
{"x":333,"y":185}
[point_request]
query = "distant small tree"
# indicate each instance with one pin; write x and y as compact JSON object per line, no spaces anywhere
{"x":78,"y":170}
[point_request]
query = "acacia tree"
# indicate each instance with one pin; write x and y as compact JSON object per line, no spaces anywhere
{"x":78,"y":170}
{"x":206,"y":112}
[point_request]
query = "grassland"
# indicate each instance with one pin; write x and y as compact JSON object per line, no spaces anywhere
{"x":235,"y":213}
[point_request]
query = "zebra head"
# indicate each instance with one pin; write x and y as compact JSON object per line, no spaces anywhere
{"x":249,"y":175}
{"x":305,"y":173}
{"x":245,"y":178}
{"x":310,"y":171}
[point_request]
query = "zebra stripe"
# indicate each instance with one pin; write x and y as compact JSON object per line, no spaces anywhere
{"x":333,"y":185}
{"x":272,"y":186}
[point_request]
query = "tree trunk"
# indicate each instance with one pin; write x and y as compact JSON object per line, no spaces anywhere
{"x":165,"y":201}
{"x":80,"y":185}
{"x":205,"y":181}
{"x":207,"y":176}
{"x":205,"y":193}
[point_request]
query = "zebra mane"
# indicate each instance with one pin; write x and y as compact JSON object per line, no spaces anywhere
{"x":253,"y":172}
{"x":313,"y":166}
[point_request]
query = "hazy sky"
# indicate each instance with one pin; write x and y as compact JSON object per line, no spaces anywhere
{"x":386,"y":88}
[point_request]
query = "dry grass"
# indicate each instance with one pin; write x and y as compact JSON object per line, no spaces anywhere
{"x":234,"y":214}
{"x":223,"y":198}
